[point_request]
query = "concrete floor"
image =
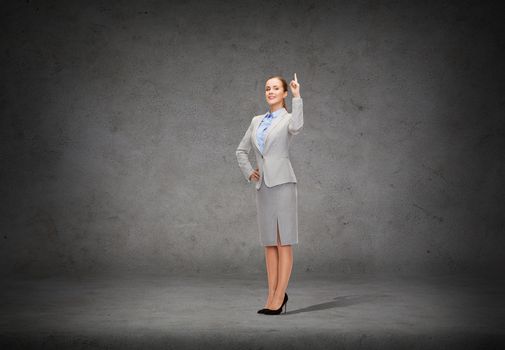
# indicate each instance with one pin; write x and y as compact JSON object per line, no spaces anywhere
{"x":437,"y":312}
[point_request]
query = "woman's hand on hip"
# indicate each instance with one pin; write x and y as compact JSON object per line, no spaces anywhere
{"x":255,"y":175}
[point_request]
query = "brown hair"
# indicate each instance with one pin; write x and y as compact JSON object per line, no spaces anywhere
{"x":284,"y":86}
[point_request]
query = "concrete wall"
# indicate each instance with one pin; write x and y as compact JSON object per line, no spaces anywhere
{"x":120,"y":122}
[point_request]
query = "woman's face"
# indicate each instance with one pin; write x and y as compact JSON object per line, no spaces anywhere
{"x":274,"y":92}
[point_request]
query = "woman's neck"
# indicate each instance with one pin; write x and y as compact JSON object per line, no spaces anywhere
{"x":275,"y":108}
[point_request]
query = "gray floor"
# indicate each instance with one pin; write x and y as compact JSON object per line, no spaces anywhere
{"x":439,"y":312}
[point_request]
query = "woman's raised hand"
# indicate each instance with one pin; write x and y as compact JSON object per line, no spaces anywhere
{"x":295,"y":87}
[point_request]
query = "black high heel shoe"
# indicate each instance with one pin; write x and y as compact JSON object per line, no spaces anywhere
{"x":262,"y":311}
{"x":279,"y":310}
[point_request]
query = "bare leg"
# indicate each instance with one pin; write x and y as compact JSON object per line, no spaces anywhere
{"x":272,"y":262}
{"x":284,"y":272}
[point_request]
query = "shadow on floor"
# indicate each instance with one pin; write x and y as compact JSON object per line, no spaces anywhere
{"x":340,"y":301}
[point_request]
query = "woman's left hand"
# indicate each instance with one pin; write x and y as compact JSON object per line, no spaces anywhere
{"x":295,"y":87}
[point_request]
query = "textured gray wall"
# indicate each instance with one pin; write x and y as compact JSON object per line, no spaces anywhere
{"x":120,"y":123}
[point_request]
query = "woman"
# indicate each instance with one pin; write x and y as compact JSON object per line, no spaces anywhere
{"x":276,"y":188}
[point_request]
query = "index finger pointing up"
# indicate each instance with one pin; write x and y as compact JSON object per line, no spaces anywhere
{"x":296,"y":79}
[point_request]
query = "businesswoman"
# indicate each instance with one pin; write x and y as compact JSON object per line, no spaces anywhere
{"x":270,"y":135}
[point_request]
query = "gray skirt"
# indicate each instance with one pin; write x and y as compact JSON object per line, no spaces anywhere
{"x":277,"y":205}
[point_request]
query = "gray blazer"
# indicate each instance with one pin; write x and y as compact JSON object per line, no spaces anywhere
{"x":274,"y":163}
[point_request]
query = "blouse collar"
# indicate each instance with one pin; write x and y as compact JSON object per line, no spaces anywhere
{"x":276,"y":113}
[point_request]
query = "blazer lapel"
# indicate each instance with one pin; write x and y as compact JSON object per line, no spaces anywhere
{"x":269,"y":130}
{"x":272,"y":126}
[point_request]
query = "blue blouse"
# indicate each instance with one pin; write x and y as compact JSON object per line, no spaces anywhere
{"x":264,"y":124}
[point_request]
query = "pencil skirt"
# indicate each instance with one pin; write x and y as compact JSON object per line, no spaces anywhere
{"x":277,"y":205}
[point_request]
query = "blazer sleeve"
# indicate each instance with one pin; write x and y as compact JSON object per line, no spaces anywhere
{"x":296,"y":122}
{"x":243,"y":153}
